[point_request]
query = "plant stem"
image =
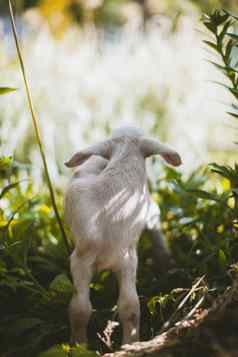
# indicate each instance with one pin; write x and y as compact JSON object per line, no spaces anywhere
{"x":37,"y":131}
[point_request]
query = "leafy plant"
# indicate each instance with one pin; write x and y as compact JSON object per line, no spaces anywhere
{"x":223,"y":29}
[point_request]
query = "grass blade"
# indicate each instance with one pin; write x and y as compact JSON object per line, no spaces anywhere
{"x":168,"y":323}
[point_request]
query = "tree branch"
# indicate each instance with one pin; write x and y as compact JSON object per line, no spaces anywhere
{"x":182,"y":330}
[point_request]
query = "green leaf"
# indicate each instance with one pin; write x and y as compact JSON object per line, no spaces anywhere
{"x":205,"y":195}
{"x":228,"y":70}
{"x":214,"y":20}
{"x":234,"y":92}
{"x":210,"y":26}
{"x":153,"y":303}
{"x":5,"y":90}
{"x":224,"y":171}
{"x":234,"y":36}
{"x":8,"y":188}
{"x":228,"y":51}
{"x":5,"y":162}
{"x":61,"y":284}
{"x":234,"y":106}
{"x":233,"y":115}
{"x":64,"y":350}
{"x":219,"y":17}
{"x":219,"y":66}
{"x":222,"y":259}
{"x":221,"y":84}
{"x":229,"y":14}
{"x":212,"y":45}
{"x":223,"y":32}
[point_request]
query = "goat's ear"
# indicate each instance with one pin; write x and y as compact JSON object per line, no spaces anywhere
{"x":102,"y":149}
{"x":77,"y":159}
{"x":172,"y":158}
{"x":155,"y":147}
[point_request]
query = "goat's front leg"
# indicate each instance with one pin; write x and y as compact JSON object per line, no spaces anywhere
{"x":80,"y":306}
{"x":128,"y":302}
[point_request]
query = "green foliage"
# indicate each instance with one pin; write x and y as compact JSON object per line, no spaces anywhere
{"x":109,"y":13}
{"x":213,"y":217}
{"x":33,"y":268}
{"x":63,"y":351}
{"x":223,"y":28}
{"x":200,"y":226}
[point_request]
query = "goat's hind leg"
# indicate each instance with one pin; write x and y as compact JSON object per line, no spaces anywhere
{"x":128,"y":302}
{"x":80,"y":306}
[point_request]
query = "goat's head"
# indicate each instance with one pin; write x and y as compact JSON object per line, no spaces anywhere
{"x":147,"y":147}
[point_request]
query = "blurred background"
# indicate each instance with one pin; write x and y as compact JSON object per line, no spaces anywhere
{"x":98,"y":64}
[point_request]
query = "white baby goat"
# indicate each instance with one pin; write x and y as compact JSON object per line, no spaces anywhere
{"x":107,"y":205}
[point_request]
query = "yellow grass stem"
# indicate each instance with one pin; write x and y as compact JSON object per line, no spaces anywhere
{"x":37,"y":131}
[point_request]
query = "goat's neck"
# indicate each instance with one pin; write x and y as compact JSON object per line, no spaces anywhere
{"x":128,"y":163}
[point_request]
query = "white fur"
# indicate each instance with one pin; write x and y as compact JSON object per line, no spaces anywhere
{"x":107,"y":205}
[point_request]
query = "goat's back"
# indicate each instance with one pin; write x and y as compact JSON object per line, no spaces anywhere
{"x":108,"y":209}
